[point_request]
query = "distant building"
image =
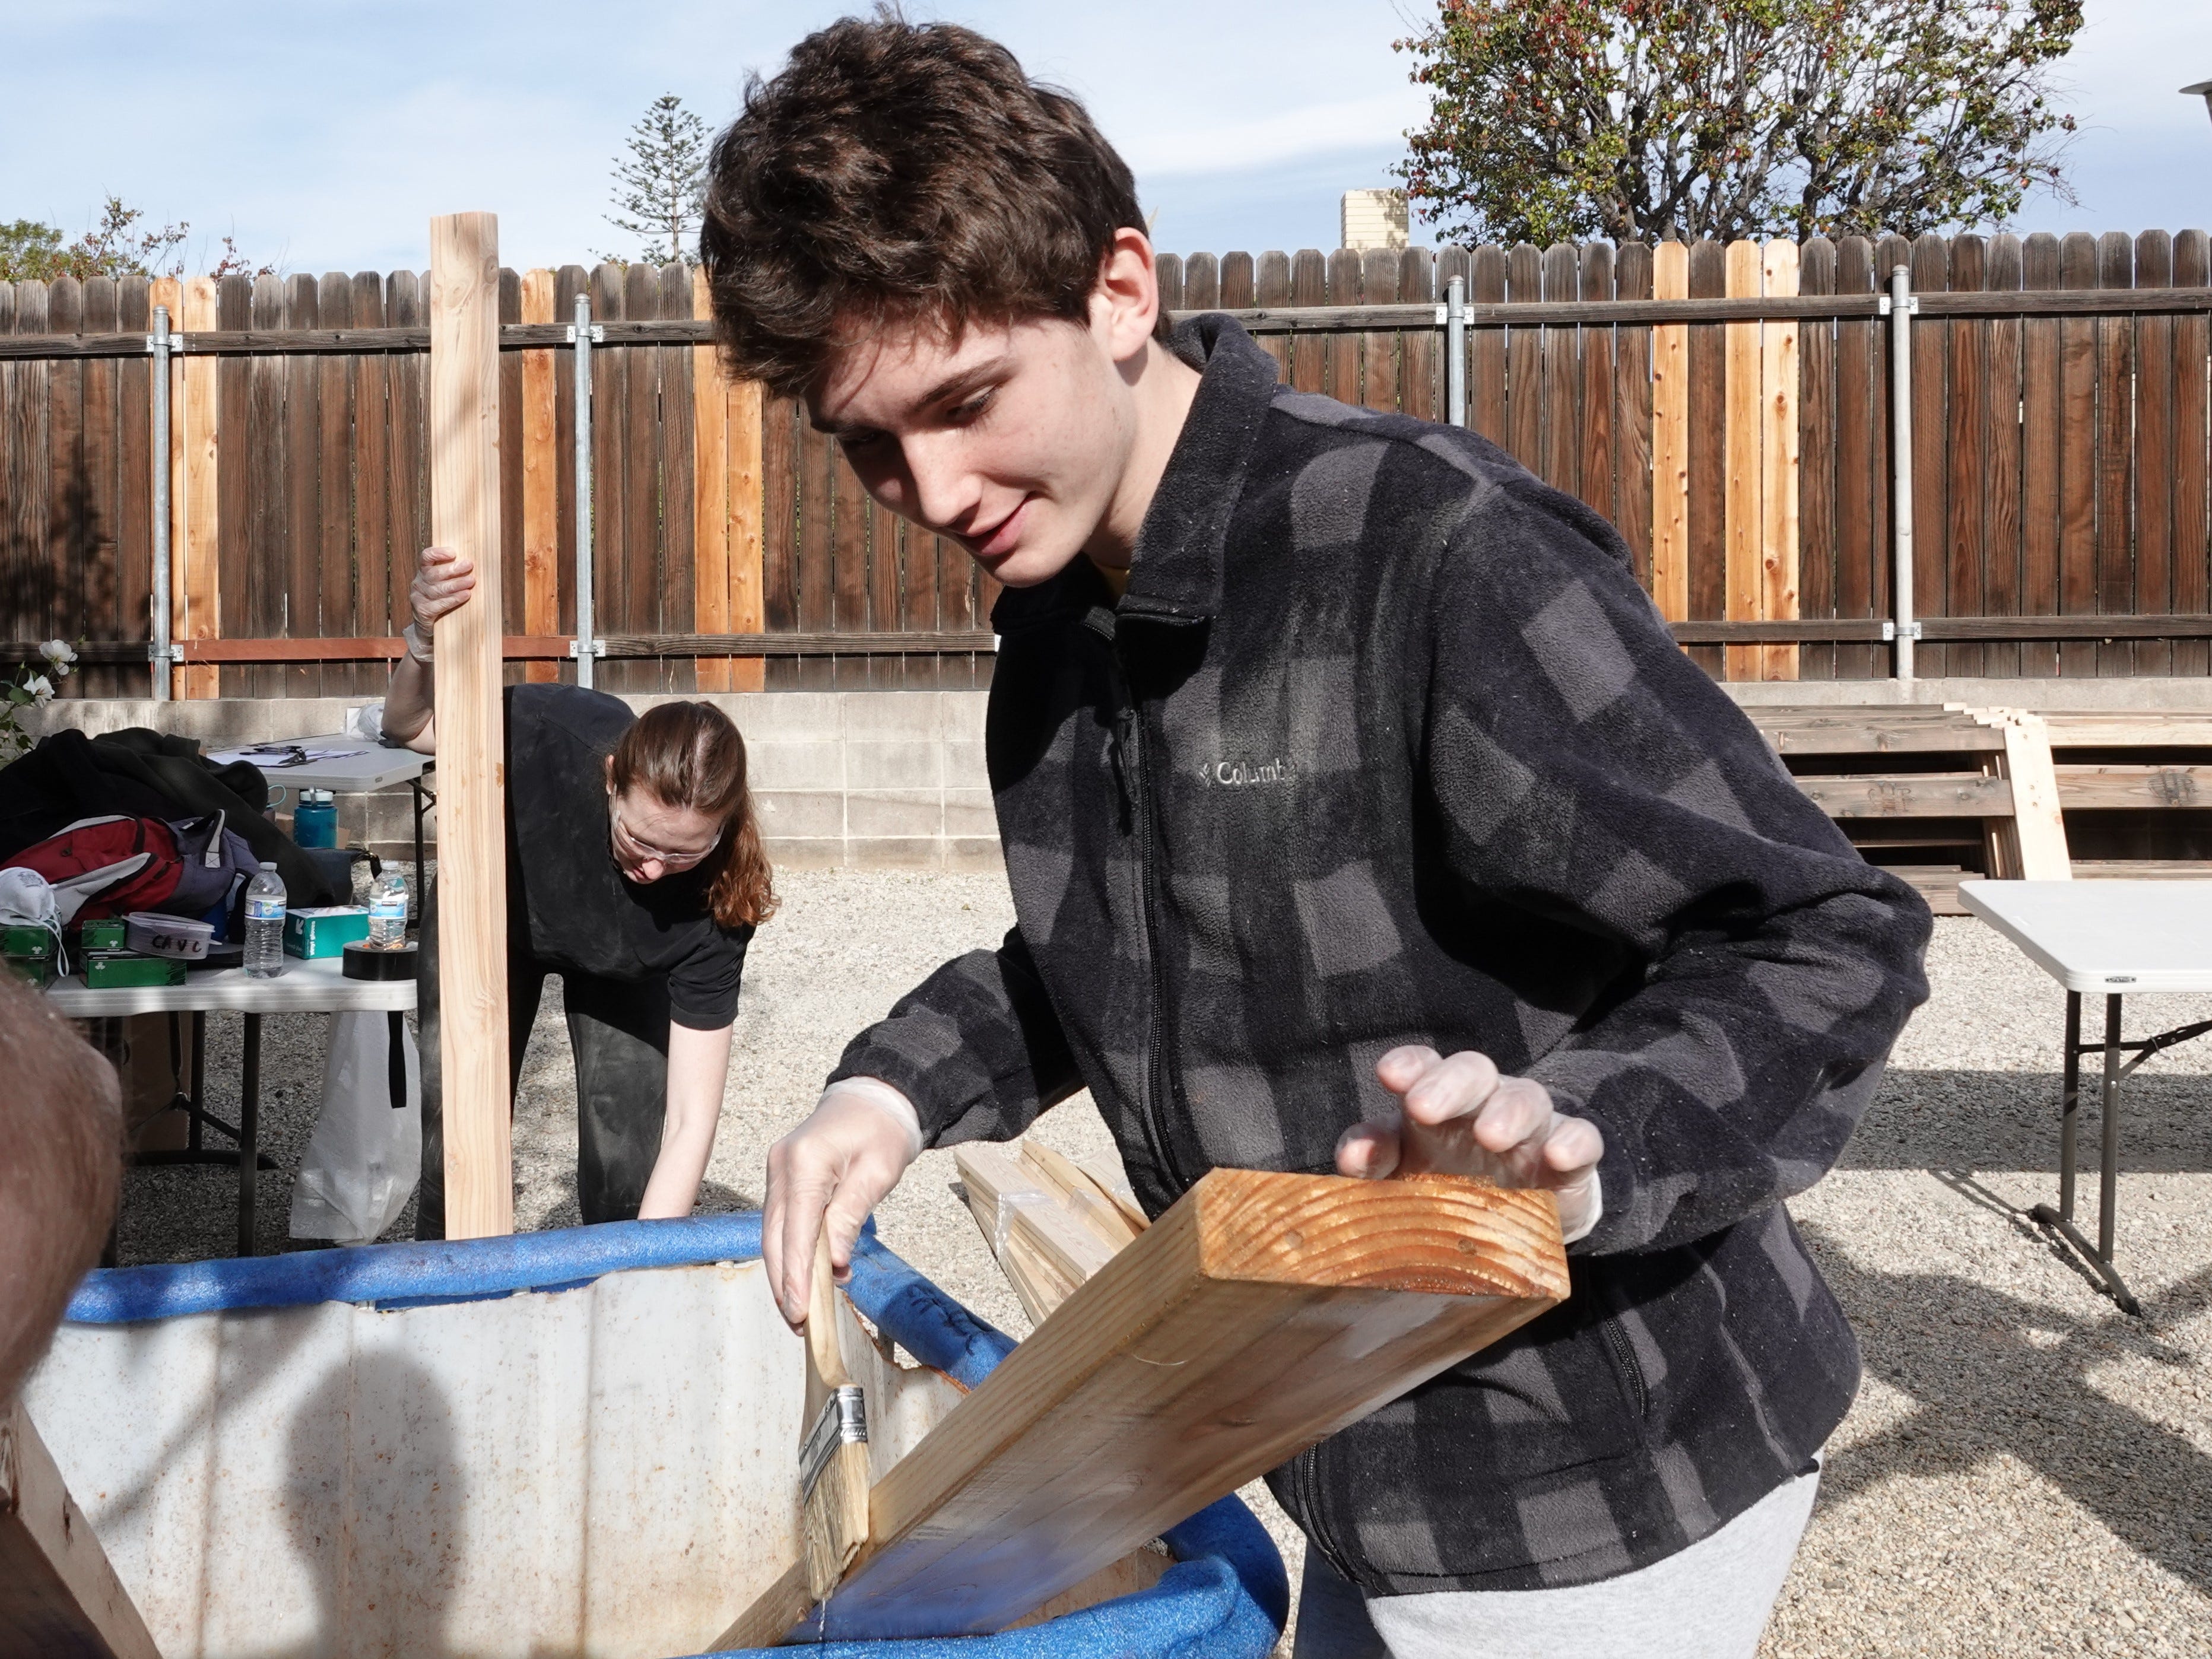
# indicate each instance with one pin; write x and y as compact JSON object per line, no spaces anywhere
{"x":1374,"y":219}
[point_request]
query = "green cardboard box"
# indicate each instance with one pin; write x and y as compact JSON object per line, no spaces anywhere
{"x":26,"y":941}
{"x":33,"y":970}
{"x":325,"y":931}
{"x":110,"y":934}
{"x":112,"y":970}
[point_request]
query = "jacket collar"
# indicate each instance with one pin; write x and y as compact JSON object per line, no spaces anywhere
{"x":1176,"y":572}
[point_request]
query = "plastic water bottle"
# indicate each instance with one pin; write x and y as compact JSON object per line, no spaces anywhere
{"x":387,"y":911}
{"x":315,"y":820}
{"x":265,"y":924}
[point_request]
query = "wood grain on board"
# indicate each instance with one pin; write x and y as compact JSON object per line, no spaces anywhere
{"x":59,"y":1595}
{"x":1261,"y":1313}
{"x":465,"y":509}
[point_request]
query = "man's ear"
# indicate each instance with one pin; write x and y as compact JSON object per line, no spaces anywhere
{"x":1127,"y":301}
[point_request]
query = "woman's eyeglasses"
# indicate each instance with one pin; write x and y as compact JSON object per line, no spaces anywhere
{"x":642,"y":850}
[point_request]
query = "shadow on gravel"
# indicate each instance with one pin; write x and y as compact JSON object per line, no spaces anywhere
{"x":2008,"y":1120}
{"x":1993,"y":1375}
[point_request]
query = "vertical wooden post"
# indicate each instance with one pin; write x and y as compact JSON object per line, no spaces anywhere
{"x":1670,"y":438}
{"x":710,"y":496}
{"x":1778,"y":446}
{"x":541,"y":480}
{"x":195,"y":588}
{"x":472,"y":759}
{"x":1744,"y":585}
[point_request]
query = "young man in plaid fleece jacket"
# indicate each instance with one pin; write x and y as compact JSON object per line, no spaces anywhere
{"x":1360,"y":814}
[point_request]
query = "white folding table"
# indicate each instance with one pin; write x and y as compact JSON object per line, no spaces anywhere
{"x":349,"y":763}
{"x":2113,"y":939}
{"x":312,"y":986}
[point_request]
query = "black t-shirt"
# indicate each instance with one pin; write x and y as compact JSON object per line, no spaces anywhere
{"x":564,"y":884}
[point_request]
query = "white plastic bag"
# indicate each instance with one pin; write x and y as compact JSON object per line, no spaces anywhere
{"x":364,"y":1156}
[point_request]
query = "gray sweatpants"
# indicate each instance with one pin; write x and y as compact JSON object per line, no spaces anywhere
{"x":1708,"y":1602}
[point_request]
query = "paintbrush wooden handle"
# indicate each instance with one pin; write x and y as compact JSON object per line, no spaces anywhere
{"x":826,"y":1360}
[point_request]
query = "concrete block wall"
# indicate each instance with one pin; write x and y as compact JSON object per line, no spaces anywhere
{"x":890,"y":779}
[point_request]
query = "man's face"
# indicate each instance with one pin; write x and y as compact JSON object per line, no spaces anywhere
{"x":1013,"y":439}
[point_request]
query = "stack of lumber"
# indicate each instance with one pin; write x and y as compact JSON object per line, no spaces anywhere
{"x":1942,"y":794}
{"x":1936,"y":795}
{"x":1050,"y":1221}
{"x":2136,"y":785}
{"x":1260,"y":1314}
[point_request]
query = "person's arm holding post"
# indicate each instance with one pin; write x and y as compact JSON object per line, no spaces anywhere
{"x":443,"y":579}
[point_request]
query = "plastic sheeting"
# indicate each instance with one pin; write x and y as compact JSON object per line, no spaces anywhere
{"x":577,"y":1443}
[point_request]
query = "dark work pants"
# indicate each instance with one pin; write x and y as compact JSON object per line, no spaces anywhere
{"x":620,"y":1035}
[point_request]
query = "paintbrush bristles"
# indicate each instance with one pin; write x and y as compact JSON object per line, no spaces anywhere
{"x":834,"y":1521}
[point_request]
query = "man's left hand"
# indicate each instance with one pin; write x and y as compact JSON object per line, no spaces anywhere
{"x":1461,"y":1116}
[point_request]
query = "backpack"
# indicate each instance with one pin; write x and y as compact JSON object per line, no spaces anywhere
{"x":110,"y":866}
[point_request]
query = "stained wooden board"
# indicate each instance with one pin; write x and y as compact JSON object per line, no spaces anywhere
{"x":1259,"y":1315}
{"x":1670,"y":440}
{"x":59,"y":1596}
{"x":465,"y":513}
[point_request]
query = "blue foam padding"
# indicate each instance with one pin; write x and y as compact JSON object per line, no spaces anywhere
{"x":1227,"y":1597}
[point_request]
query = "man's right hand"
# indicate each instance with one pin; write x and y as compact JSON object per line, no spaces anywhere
{"x":443,"y":578}
{"x":831,"y":1172}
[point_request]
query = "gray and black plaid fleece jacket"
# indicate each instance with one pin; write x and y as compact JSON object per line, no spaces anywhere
{"x":1384,"y":745}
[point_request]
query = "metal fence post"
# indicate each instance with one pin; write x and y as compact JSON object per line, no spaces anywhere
{"x":1455,"y":351}
{"x":1900,"y":307}
{"x":586,"y":649}
{"x":158,"y":656}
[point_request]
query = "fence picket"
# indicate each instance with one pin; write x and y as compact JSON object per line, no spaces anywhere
{"x":2153,"y":453}
{"x":2116,"y":259}
{"x":2192,"y":452}
{"x":2041,"y":412}
{"x":1670,"y":438}
{"x":2004,"y":439}
{"x":1631,"y":503}
{"x":1816,"y":460}
{"x":1966,"y":446}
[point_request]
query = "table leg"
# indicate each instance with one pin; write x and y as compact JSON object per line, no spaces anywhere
{"x":249,"y":1131}
{"x":416,"y":784}
{"x":2108,"y":1172}
{"x":200,"y":1079}
{"x":2070,"y":1106}
{"x":395,"y":1058}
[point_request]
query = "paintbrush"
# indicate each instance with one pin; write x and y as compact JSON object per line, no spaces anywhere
{"x":833,"y":1453}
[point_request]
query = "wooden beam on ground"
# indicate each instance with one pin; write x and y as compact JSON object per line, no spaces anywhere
{"x":59,"y":1596}
{"x":1260,"y":1314}
{"x":471,"y":757}
{"x":2094,"y":788}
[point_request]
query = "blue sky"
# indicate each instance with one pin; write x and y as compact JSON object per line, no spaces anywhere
{"x":323,"y":134}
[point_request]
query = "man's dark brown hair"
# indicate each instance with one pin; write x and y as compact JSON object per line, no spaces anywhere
{"x":896,"y":172}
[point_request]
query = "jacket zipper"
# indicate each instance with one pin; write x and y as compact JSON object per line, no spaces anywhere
{"x":1624,"y":1353}
{"x":1129,"y":766}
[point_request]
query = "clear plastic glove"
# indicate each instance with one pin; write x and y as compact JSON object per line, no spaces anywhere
{"x":1460,"y":1116}
{"x":831,"y":1172}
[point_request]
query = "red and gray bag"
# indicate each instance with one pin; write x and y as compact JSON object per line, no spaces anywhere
{"x":104,"y":867}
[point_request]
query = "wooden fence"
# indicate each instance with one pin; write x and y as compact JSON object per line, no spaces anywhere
{"x":2059,"y":461}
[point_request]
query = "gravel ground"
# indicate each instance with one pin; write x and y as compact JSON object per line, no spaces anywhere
{"x":2026,"y":1470}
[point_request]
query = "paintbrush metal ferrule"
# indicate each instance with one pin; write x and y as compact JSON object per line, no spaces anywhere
{"x":843,"y":1421}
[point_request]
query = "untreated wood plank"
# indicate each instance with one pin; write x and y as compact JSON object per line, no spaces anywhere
{"x":710,"y":498}
{"x":541,"y":479}
{"x":1708,"y":453}
{"x":1259,"y":1314}
{"x":1778,"y":460}
{"x":1910,"y":795}
{"x":59,"y":1596}
{"x":2084,"y":787}
{"x":195,"y":588}
{"x":471,"y":761}
{"x":1816,"y":460}
{"x":1745,"y":575}
{"x":1670,"y":440}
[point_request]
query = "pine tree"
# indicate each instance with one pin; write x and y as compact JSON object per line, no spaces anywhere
{"x":660,"y":184}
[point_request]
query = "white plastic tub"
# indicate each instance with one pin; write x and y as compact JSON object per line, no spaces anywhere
{"x":577,"y":1443}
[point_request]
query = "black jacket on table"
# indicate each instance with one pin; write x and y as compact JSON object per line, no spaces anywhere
{"x":1384,"y":744}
